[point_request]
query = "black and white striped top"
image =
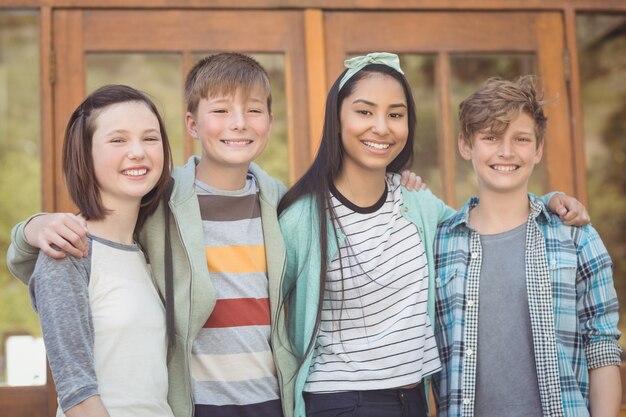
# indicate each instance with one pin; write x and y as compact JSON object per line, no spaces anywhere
{"x":375,"y":332}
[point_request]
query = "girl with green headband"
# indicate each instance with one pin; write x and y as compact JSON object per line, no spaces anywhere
{"x":359,"y":279}
{"x":358,"y":282}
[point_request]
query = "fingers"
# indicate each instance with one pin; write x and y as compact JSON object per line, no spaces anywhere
{"x":575,"y":214}
{"x":576,"y":219}
{"x":51,"y":252}
{"x":422,"y":184}
{"x":59,"y":234}
{"x":404,"y":177}
{"x":412,"y":181}
{"x":67,"y":240}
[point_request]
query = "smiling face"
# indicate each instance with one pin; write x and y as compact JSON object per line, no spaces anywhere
{"x":504,"y":162}
{"x":127,"y":151}
{"x":233,"y":130}
{"x":374,"y":125}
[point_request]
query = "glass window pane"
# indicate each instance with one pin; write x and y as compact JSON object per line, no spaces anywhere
{"x":469,"y":72}
{"x":602,"y":52}
{"x":420,"y":73}
{"x":20,"y":183}
{"x":159,"y":75}
{"x":275,"y":157}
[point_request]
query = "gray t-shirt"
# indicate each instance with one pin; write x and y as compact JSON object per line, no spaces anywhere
{"x":506,"y":375}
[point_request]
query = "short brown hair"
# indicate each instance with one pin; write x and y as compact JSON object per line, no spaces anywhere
{"x":224,"y":73}
{"x":497,"y":103}
{"x":78,"y":167}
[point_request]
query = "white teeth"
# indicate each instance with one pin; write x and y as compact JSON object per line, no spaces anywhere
{"x":376,"y":145}
{"x":237,"y":142}
{"x":505,"y":168}
{"x":135,"y":172}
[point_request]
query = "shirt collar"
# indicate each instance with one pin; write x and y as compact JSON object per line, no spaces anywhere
{"x":537,"y":209}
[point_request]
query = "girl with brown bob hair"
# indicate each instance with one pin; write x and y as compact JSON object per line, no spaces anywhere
{"x":103,"y":321}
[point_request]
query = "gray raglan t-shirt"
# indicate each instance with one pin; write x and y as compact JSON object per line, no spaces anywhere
{"x":104,"y":329}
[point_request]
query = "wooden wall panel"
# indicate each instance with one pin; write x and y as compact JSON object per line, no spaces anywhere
{"x":23,"y":401}
{"x":46,"y":79}
{"x":576,"y":109}
{"x":316,"y":79}
{"x":601,"y":5}
{"x":69,"y":90}
{"x":262,"y":31}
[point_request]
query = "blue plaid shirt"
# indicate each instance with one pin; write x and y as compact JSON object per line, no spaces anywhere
{"x":572,"y":302}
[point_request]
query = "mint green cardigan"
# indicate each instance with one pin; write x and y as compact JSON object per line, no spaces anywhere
{"x":300,"y":230}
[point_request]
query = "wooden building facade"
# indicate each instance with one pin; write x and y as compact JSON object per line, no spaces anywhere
{"x":313,"y":37}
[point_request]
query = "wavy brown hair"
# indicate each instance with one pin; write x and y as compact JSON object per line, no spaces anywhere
{"x":497,"y":103}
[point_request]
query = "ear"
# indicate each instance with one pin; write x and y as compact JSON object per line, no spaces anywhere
{"x":538,"y":153}
{"x":464,"y":148}
{"x":190,"y":125}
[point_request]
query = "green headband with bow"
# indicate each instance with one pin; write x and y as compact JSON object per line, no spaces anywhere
{"x":357,"y":63}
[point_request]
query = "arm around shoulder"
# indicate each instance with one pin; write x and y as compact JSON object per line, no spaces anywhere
{"x":597,"y":304}
{"x":21,"y":256}
{"x":54,"y":234}
{"x":437,"y":206}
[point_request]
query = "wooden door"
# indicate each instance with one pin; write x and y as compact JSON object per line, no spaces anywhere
{"x":443,"y":36}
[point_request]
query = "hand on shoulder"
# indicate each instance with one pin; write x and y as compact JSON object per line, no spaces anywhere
{"x":66,"y":231}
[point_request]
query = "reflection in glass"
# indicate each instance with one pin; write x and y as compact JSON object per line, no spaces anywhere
{"x":469,"y":72}
{"x":602,"y":51}
{"x":20,"y":169}
{"x":420,"y":73}
{"x":275,"y":157}
{"x":159,"y":75}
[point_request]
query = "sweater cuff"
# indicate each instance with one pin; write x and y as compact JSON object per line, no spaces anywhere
{"x":19,"y":238}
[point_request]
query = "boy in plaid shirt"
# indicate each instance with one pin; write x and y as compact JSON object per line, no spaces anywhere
{"x":526,"y":310}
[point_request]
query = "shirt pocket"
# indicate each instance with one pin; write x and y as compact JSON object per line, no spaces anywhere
{"x":446,"y":295}
{"x":446,"y":310}
{"x":563,"y":278}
